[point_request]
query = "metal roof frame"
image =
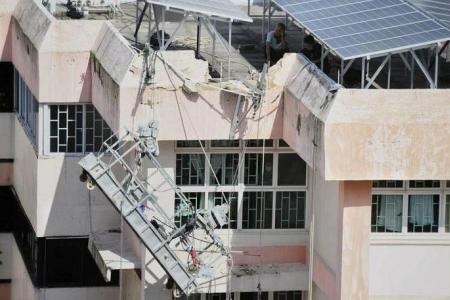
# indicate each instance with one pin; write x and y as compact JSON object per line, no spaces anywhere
{"x":374,"y":54}
{"x":207,"y":9}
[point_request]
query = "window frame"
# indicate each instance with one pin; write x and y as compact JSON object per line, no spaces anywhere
{"x":240,"y":188}
{"x":406,"y":191}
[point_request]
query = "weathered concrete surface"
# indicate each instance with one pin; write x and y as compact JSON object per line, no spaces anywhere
{"x":367,"y":134}
{"x":388,"y":134}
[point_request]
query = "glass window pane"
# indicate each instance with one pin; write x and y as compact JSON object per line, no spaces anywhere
{"x":424,"y":183}
{"x":387,"y":184}
{"x":253,"y":170}
{"x":225,"y":143}
{"x":290,"y":210}
{"x":447,"y":214}
{"x":257,"y":210}
{"x":423,"y":213}
{"x":259,"y":143}
{"x":225,"y":168}
{"x":387,"y":213}
{"x":183,"y":211}
{"x":190,"y":169}
{"x":190,"y":144}
{"x":291,"y":170}
{"x":254,"y":296}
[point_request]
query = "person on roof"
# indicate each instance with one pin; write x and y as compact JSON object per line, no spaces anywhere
{"x":313,"y":51}
{"x":276,"y":44}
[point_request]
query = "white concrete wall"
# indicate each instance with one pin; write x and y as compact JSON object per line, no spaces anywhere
{"x":25,"y":172}
{"x":21,"y":286}
{"x":6,"y":135}
{"x":64,"y":203}
{"x":326,"y":203}
{"x":410,"y":271}
{"x":54,"y":199}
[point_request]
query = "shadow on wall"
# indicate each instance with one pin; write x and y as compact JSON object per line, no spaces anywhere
{"x":65,"y":206}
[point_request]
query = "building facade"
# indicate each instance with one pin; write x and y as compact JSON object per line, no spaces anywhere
{"x":334,"y":194}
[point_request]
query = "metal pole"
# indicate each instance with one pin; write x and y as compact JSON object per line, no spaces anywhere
{"x":412,"y":70}
{"x":269,"y":19}
{"x":342,"y":71}
{"x":214,"y":44}
{"x":389,"y":72}
{"x":136,"y":22}
{"x":436,"y":68}
{"x":263,"y":23}
{"x":163,"y":29}
{"x":229,"y":48}
{"x":199,"y":28}
{"x":363,"y":71}
{"x":150,"y":7}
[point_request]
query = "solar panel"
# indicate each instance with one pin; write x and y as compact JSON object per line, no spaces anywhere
{"x":215,"y":8}
{"x":359,"y":28}
{"x":439,"y":9}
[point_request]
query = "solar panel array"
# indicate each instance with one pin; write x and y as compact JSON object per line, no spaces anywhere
{"x":215,"y":8}
{"x":359,"y":28}
{"x":439,"y":9}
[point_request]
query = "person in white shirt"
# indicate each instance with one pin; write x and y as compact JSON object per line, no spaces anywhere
{"x":276,"y":44}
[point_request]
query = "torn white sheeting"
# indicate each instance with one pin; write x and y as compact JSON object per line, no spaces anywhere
{"x":105,"y":248}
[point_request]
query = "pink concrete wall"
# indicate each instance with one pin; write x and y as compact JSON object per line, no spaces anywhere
{"x":269,"y":255}
{"x":355,"y":201}
{"x":5,"y":291}
{"x":6,"y":173}
{"x":5,"y":38}
{"x":324,"y":278}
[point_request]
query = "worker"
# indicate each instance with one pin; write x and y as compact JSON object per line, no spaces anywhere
{"x":313,"y":51}
{"x":276,"y":44}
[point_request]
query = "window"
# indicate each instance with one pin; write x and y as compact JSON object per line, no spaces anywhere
{"x":447,"y":214}
{"x":257,"y":210}
{"x":254,"y":296}
{"x":249,"y":179}
{"x":192,"y":297}
{"x":6,"y":87}
{"x":387,"y":213}
{"x":288,"y":295}
{"x":424,"y":184}
{"x":216,"y":296}
{"x":282,"y":144}
{"x":388,"y":184}
{"x":259,"y":143}
{"x":225,"y":168}
{"x":225,"y":143}
{"x":253,"y":174}
{"x":291,"y":170}
{"x":182,"y":213}
{"x":190,"y":169}
{"x":217,"y":198}
{"x":27,"y":107}
{"x":190,"y":144}
{"x":290,"y":210}
{"x":423,"y":213}
{"x":76,"y":128}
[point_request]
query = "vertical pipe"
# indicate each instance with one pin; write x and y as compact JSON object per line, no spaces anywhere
{"x":213,"y":61}
{"x":199,"y":28}
{"x":342,"y":71}
{"x":163,"y":29}
{"x":389,"y":72}
{"x":263,"y":23}
{"x":230,"y":24}
{"x":363,"y":71}
{"x":436,"y":68}
{"x":322,"y":54}
{"x":269,"y":19}
{"x":412,"y":70}
{"x":149,"y":23}
{"x":136,"y":23}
